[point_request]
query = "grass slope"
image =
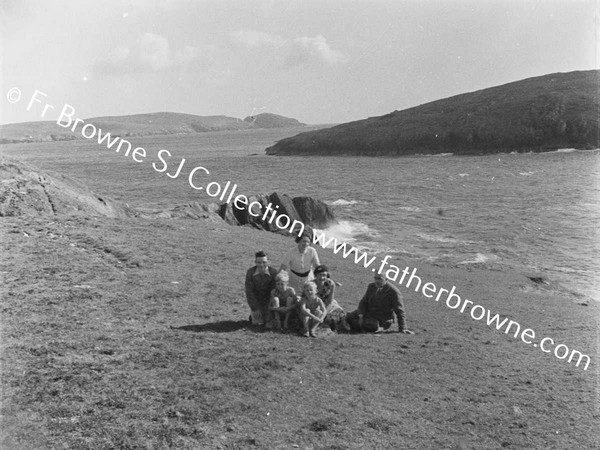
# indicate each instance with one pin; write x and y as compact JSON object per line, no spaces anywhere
{"x":132,"y":333}
{"x":554,"y":111}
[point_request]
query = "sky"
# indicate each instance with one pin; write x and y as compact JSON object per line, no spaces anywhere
{"x":316,"y":61}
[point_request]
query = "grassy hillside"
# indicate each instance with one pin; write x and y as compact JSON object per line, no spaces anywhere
{"x":131,"y":333}
{"x":537,"y":114}
{"x":161,"y":123}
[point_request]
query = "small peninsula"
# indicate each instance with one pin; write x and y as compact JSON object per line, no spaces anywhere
{"x":545,"y":113}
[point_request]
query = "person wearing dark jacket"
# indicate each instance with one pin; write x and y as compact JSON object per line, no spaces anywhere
{"x":260,"y":281}
{"x":376,"y":310}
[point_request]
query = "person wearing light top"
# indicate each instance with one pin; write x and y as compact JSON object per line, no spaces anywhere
{"x":336,"y":316}
{"x":311,"y":308}
{"x":300,"y":262}
{"x":283,"y":300}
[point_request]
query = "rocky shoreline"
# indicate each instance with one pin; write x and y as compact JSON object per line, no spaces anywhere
{"x":27,"y":191}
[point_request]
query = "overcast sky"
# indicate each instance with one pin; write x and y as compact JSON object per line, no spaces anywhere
{"x":320,"y":61}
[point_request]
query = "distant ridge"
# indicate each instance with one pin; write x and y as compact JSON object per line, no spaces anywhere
{"x":538,"y":114}
{"x":267,"y":120}
{"x":161,"y":123}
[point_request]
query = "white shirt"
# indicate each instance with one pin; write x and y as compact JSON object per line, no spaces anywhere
{"x":301,"y":262}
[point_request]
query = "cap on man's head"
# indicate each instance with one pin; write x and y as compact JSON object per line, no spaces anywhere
{"x":320,"y":269}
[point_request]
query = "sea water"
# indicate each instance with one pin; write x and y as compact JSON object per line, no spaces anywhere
{"x":538,"y":213}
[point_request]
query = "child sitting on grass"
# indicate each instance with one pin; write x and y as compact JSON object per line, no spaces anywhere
{"x":336,"y":316}
{"x":283,"y":300}
{"x":312,"y":309}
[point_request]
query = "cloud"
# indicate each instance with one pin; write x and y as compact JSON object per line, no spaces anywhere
{"x":150,"y":53}
{"x":301,"y":50}
{"x":314,"y":48}
{"x":254,"y":38}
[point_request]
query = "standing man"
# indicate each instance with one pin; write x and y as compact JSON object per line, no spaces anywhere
{"x":376,"y":309}
{"x":260,"y":280}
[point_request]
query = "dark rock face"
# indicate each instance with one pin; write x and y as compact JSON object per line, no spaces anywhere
{"x":287,"y":206}
{"x":227,"y":214}
{"x":311,"y":212}
{"x":314,"y":212}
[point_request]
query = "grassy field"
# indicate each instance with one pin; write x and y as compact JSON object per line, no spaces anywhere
{"x":133,"y":333}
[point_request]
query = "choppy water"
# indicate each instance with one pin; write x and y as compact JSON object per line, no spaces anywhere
{"x":536,"y":212}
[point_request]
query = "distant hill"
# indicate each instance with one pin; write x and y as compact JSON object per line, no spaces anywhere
{"x":267,"y":120}
{"x":141,"y":125}
{"x":538,"y":114}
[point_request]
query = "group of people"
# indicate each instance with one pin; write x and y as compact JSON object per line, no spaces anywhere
{"x":302,"y":291}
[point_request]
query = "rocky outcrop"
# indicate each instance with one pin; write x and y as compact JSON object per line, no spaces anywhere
{"x":314,"y":212}
{"x":25,"y":191}
{"x":311,"y":212}
{"x":195,"y":211}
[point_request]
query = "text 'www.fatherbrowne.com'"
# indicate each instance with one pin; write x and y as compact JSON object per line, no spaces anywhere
{"x":408,"y":278}
{"x":67,"y":119}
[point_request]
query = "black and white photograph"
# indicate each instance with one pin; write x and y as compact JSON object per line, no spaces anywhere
{"x":300,"y":224}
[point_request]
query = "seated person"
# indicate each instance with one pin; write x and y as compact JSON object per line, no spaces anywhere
{"x":376,"y":309}
{"x":260,"y":280}
{"x":336,"y":316}
{"x":283,"y":300}
{"x":300,"y":262}
{"x":311,"y":308}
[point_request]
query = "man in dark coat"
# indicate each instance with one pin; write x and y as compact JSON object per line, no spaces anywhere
{"x":376,"y":309}
{"x":260,"y":280}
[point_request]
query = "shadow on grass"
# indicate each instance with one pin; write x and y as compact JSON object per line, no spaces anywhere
{"x":224,"y":326}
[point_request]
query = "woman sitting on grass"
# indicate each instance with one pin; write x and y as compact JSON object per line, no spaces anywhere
{"x":283,"y":300}
{"x":336,"y":316}
{"x":312,"y":309}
